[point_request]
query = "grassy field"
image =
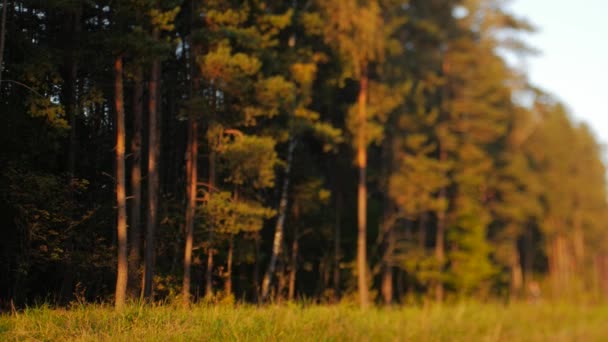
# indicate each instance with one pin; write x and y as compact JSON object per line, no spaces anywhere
{"x":458,"y":322}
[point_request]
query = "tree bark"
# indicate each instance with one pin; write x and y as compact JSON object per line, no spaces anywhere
{"x":362,"y":194}
{"x":517,"y":277}
{"x":135,"y":229}
{"x":209,"y":271}
{"x":153,"y":151}
{"x":387,"y":271}
{"x":278,"y":233}
{"x":293,"y":269}
{"x":228,"y":274}
{"x":191,"y":205}
{"x":209,"y":275}
{"x":122,"y":270}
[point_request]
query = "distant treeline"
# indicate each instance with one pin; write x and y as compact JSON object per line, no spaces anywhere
{"x":268,"y":150}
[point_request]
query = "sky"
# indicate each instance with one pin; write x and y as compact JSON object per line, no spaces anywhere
{"x":572,"y":37}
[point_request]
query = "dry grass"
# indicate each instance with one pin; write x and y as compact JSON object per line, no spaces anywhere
{"x":459,"y":322}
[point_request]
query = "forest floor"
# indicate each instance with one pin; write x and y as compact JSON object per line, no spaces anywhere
{"x":296,"y":322}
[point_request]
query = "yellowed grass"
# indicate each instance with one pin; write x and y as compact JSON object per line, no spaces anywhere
{"x":458,"y":322}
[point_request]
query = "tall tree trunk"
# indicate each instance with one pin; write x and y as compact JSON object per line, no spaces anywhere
{"x":122,"y":270}
{"x":387,"y":271}
{"x":228,"y":274}
{"x":517,"y":278}
{"x":362,"y":194}
{"x":209,"y":271}
{"x":135,"y":229}
{"x":293,"y":269}
{"x":191,"y":205}
{"x":209,"y":274}
{"x":153,"y":151}
{"x":281,"y":280}
{"x":2,"y":39}
{"x":440,"y":238}
{"x":387,"y":233}
{"x":278,"y":233}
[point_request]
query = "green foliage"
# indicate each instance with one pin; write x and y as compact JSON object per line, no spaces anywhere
{"x":250,"y":160}
{"x":224,"y":214}
{"x":520,"y":190}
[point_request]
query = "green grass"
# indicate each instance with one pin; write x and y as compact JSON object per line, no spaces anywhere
{"x":458,"y":322}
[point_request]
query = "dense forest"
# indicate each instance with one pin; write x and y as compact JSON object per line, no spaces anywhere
{"x":373,"y":151}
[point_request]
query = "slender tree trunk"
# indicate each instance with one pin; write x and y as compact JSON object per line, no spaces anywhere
{"x":191,"y":205}
{"x":153,"y":151}
{"x":387,"y":272}
{"x":387,"y":233}
{"x":282,"y":279}
{"x":559,"y":265}
{"x":135,"y":229}
{"x":209,"y":274}
{"x":362,"y":194}
{"x":2,"y":40}
{"x":440,"y":238}
{"x":228,"y":274}
{"x":209,"y":271}
{"x":122,"y":271}
{"x":517,"y":278}
{"x":278,"y":233}
{"x":293,"y":269}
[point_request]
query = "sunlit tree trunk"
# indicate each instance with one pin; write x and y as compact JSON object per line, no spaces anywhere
{"x":278,"y":233}
{"x":191,"y":205}
{"x":209,"y":274}
{"x":387,"y":231}
{"x":210,"y":250}
{"x":122,"y":270}
{"x":517,"y":278}
{"x":134,"y":228}
{"x":153,"y":151}
{"x":362,"y":193}
{"x":228,"y":274}
{"x":387,"y":271}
